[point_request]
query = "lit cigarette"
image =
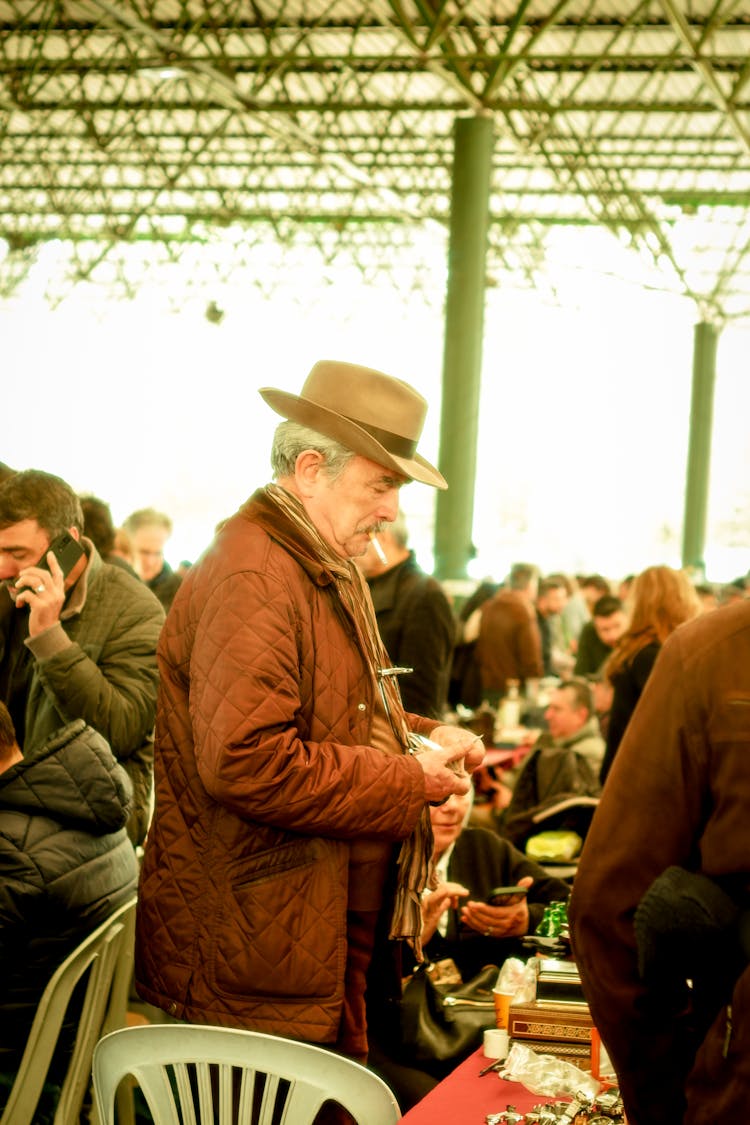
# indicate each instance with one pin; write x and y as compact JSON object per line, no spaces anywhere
{"x":376,"y":546}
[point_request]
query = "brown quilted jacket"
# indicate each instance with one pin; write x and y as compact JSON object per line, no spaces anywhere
{"x":263,"y":776}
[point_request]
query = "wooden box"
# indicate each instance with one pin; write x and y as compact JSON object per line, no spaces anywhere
{"x":546,"y":1022}
{"x":561,"y":1030}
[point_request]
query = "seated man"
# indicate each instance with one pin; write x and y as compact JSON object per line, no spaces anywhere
{"x":66,"y":864}
{"x":600,"y":635}
{"x":76,"y":642}
{"x":565,"y":761}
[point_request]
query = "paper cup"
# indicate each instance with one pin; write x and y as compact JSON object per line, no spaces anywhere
{"x":496,"y":1043}
{"x":502,"y":1007}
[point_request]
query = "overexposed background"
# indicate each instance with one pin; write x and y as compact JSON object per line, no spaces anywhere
{"x":583,"y":423}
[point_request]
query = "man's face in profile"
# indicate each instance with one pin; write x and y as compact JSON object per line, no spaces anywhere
{"x":347,"y":508}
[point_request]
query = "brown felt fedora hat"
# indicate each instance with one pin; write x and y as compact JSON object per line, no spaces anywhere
{"x":366,"y":411}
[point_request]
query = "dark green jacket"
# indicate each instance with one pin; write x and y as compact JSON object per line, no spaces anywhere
{"x":99,"y":664}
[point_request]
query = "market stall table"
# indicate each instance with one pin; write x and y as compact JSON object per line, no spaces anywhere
{"x":463,"y":1098}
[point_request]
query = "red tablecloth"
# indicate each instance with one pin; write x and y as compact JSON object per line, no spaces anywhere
{"x":463,"y":1098}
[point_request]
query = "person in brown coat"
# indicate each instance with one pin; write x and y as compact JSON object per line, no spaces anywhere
{"x":666,"y":863}
{"x":292,"y":822}
{"x":509,"y":644}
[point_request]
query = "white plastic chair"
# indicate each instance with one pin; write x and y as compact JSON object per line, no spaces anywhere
{"x":187,"y":1072}
{"x":107,"y":956}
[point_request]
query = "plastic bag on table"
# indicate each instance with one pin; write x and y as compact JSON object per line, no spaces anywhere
{"x":547,"y":1075}
{"x":519,"y":978}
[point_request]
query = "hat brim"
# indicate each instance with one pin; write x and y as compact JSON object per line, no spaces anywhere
{"x":350,"y":435}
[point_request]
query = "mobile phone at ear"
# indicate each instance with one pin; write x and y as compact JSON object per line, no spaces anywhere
{"x":506,"y":896}
{"x":66,"y":550}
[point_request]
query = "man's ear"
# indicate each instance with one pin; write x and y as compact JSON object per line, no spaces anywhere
{"x":307,"y":471}
{"x":75,"y":533}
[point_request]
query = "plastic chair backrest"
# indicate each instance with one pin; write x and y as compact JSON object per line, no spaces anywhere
{"x":573,"y":813}
{"x":188,"y":1072}
{"x":107,"y":956}
{"x":568,"y":814}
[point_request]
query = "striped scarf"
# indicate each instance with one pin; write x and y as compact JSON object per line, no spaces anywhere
{"x":415,"y":854}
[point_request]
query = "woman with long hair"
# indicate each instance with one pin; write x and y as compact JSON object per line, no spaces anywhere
{"x":661,"y":599}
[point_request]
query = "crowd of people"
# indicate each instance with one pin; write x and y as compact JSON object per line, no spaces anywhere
{"x":279,"y":745}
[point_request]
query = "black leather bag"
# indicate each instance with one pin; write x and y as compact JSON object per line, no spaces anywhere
{"x":441,"y":1024}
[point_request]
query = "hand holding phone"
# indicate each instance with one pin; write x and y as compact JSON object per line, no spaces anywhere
{"x":506,"y":896}
{"x":45,"y":595}
{"x":66,"y":550}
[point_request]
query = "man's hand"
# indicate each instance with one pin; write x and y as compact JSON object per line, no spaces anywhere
{"x":456,"y":737}
{"x":44,"y":593}
{"x":443,"y":773}
{"x":498,"y":921}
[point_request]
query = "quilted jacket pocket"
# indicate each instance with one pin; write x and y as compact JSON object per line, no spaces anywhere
{"x":280,"y":930}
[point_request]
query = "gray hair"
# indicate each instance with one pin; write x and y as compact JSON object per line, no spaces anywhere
{"x":291,"y":439}
{"x":147,"y":517}
{"x":522,"y":575}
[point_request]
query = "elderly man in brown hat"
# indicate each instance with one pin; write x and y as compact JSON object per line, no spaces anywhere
{"x":292,"y":836}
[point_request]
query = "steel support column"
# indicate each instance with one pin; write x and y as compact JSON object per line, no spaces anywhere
{"x":699,"y":451}
{"x":462,"y":354}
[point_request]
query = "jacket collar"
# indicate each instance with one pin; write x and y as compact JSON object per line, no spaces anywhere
{"x":76,"y":598}
{"x":272,"y":520}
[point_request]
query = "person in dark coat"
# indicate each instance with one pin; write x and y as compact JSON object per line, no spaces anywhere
{"x":66,"y":863}
{"x":99,"y":527}
{"x":414,"y":617}
{"x":600,"y":635}
{"x":551,"y":599}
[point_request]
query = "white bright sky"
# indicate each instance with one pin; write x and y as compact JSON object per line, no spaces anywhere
{"x":584,"y":417}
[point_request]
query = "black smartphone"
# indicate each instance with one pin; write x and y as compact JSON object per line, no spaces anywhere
{"x":66,"y":550}
{"x":506,"y":896}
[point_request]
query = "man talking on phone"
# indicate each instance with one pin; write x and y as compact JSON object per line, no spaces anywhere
{"x":77,"y":636}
